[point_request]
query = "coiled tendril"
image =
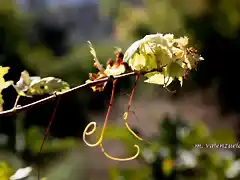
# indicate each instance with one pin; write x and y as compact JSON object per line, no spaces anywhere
{"x":99,"y":142}
{"x":125,"y":116}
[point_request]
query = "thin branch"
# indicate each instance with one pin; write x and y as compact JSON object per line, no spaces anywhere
{"x":48,"y":128}
{"x":51,"y":97}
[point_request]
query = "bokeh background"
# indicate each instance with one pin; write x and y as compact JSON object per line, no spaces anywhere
{"x":49,"y":38}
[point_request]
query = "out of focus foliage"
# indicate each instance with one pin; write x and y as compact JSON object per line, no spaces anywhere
{"x":11,"y":27}
{"x":5,"y":171}
{"x":147,"y":16}
{"x":204,"y":19}
{"x":3,"y":84}
{"x":173,"y":155}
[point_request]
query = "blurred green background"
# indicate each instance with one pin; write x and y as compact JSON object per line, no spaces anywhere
{"x":49,"y":38}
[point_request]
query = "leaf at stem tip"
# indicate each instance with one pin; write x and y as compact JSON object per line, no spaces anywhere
{"x":31,"y":86}
{"x":113,"y":68}
{"x":92,"y":50}
{"x":97,"y":64}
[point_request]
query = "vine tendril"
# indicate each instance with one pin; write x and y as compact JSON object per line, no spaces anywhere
{"x":125,"y":116}
{"x":99,"y":142}
{"x":121,"y":159}
{"x":86,"y":132}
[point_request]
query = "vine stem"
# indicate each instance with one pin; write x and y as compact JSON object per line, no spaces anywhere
{"x":48,"y":128}
{"x":16,"y":101}
{"x":69,"y":91}
{"x":128,"y":108}
{"x":52,"y":97}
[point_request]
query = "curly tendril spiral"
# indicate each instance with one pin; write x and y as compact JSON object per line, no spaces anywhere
{"x":121,"y":159}
{"x":88,"y":132}
{"x":99,"y":142}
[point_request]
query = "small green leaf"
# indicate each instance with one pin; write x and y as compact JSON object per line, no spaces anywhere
{"x":97,"y":64}
{"x":48,"y":85}
{"x":31,"y":86}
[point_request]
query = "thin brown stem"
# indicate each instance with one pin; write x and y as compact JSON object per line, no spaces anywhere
{"x":86,"y":132}
{"x":128,"y":109}
{"x":48,"y":128}
{"x":16,"y":101}
{"x":51,"y":97}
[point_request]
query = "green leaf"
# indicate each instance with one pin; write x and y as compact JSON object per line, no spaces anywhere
{"x":160,"y":39}
{"x":162,"y":50}
{"x":174,"y":69}
{"x":131,"y":51}
{"x":24,"y":83}
{"x":163,"y":55}
{"x":31,"y":86}
{"x":138,"y":62}
{"x":143,"y":62}
{"x":158,"y":78}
